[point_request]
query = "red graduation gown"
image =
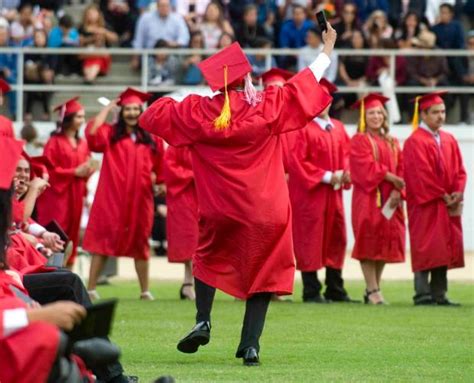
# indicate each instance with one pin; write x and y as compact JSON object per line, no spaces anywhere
{"x":21,"y":255}
{"x":6,"y":127}
{"x":245,"y":241}
{"x":319,"y":230}
{"x":430,"y":172}
{"x":376,"y":238}
{"x":121,"y":217}
{"x":27,"y":355}
{"x":182,"y":229}
{"x":64,"y":200}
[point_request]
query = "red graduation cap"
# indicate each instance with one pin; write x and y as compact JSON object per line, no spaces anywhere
{"x":11,"y":153}
{"x":133,"y":96}
{"x":372,"y":100}
{"x":233,"y":58}
{"x":4,"y":86}
{"x":275,"y":75}
{"x":424,"y":102}
{"x":69,"y":107}
{"x":328,"y":86}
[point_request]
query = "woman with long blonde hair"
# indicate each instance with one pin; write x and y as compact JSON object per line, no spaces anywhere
{"x":377,"y":209}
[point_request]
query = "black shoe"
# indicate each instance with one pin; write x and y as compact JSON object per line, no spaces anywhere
{"x":199,"y":336}
{"x":317,"y":299}
{"x":345,"y":299}
{"x":447,"y":302}
{"x":425,"y":302}
{"x":251,"y":357}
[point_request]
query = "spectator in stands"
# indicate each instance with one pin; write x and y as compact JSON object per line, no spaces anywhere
{"x":378,"y":65}
{"x":160,"y":24}
{"x":286,"y":8}
{"x":33,"y":146}
{"x":121,"y":16}
{"x":314,"y":45}
{"x":248,"y":31}
{"x":400,"y":9}
{"x":21,"y":30}
{"x":352,"y":68}
{"x":39,"y":69}
{"x":348,"y":24}
{"x":225,"y":40}
{"x":162,"y":67}
{"x":65,"y":35}
{"x":259,"y":61}
{"x":192,"y":11}
{"x":410,"y":29}
{"x":377,"y":28}
{"x":366,"y":8}
{"x":213,"y":25}
{"x":468,"y":80}
{"x":191,"y":73}
{"x":8,"y":69}
{"x":95,"y":34}
{"x":293,"y":32}
{"x":9,"y":9}
{"x":433,"y":10}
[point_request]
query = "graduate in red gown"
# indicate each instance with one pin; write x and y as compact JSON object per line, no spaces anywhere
{"x":245,"y":246}
{"x":436,"y":180}
{"x":121,"y":216}
{"x":6,"y":126}
{"x":318,"y":176}
{"x":182,"y":214}
{"x":70,"y":159}
{"x":376,"y":168}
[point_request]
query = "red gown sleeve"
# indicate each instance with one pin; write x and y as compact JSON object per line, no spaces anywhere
{"x":176,"y":174}
{"x":99,"y":141}
{"x":461,"y":177}
{"x":52,"y":153}
{"x":365,"y":171}
{"x":422,"y":181}
{"x":309,"y":173}
{"x":295,"y":104}
{"x":158,"y":160}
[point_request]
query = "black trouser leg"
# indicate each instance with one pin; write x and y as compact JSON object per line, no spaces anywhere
{"x":254,"y":320}
{"x":204,"y":299}
{"x":334,"y":285}
{"x":439,"y":283}
{"x":422,"y":286}
{"x":311,"y":285}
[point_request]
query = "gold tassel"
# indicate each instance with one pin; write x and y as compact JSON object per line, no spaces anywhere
{"x":223,"y":120}
{"x":362,"y":117}
{"x":379,"y":198}
{"x":415,"y":122}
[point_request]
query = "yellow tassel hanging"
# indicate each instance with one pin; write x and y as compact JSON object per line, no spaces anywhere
{"x":379,"y":198}
{"x":362,"y":117}
{"x":415,"y":122}
{"x":223,"y":120}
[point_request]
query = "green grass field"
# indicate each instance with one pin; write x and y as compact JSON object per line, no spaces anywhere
{"x":301,"y":342}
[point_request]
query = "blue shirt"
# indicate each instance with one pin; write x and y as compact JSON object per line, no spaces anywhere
{"x":151,"y":28}
{"x":293,"y":37}
{"x":449,"y":36}
{"x":57,"y":40}
{"x":366,"y":7}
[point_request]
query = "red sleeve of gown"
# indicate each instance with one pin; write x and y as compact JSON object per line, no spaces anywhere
{"x":51,"y":150}
{"x":99,"y":141}
{"x":365,"y":171}
{"x":461,"y":177}
{"x":423,"y":183}
{"x":176,"y":174}
{"x":295,"y":104}
{"x":158,"y":160}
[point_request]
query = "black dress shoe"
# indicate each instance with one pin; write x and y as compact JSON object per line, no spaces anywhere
{"x":251,"y":357}
{"x":199,"y":336}
{"x":425,"y":302}
{"x":447,"y":302}
{"x":318,"y":299}
{"x":344,"y":299}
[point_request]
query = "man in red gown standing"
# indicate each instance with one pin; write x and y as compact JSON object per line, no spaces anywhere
{"x":435,"y":182}
{"x":318,"y":174}
{"x":245,"y":246}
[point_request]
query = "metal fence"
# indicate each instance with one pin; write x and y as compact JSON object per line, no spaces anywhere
{"x":21,"y":87}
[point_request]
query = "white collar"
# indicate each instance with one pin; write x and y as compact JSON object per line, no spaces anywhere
{"x":323,"y":123}
{"x":425,"y":127}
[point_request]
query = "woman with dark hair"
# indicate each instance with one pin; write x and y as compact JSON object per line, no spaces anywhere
{"x":122,"y":212}
{"x":70,"y":158}
{"x":377,"y":211}
{"x":410,"y":29}
{"x":348,"y":24}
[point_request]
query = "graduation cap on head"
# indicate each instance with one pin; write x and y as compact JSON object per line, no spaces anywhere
{"x":68,"y":107}
{"x":372,"y":100}
{"x":221,"y":69}
{"x":133,"y":96}
{"x":11,"y":153}
{"x":328,"y":86}
{"x":424,"y":102}
{"x":4,"y":86}
{"x":270,"y":77}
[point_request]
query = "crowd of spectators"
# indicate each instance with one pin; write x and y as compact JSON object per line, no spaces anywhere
{"x":375,"y":24}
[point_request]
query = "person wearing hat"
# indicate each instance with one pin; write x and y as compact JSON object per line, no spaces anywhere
{"x":182,"y":228}
{"x":121,"y":216}
{"x":69,"y":156}
{"x":245,"y":246}
{"x":376,"y":168}
{"x":6,"y":125}
{"x":436,"y":180}
{"x":319,"y":172}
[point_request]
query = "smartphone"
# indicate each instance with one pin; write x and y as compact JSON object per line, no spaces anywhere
{"x":322,"y":22}
{"x":192,"y":8}
{"x":103,"y":101}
